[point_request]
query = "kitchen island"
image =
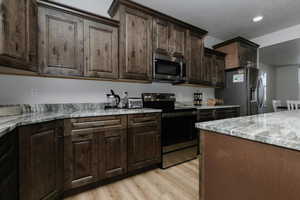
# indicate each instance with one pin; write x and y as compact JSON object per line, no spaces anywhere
{"x":247,"y":158}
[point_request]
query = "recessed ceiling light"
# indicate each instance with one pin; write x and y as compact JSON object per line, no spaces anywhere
{"x":257,"y":18}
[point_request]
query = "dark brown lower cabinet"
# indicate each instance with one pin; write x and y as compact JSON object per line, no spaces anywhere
{"x":41,"y":161}
{"x":112,"y":152}
{"x":144,"y":147}
{"x":9,"y":167}
{"x":80,"y":158}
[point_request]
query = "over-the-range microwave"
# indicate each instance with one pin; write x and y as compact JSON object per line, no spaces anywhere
{"x":169,"y":69}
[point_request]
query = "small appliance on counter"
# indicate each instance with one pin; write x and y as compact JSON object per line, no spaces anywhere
{"x":135,"y":103}
{"x":112,"y":100}
{"x":179,"y":135}
{"x":198,"y":98}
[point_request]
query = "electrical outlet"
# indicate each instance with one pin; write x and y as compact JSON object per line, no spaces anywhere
{"x":34,"y":92}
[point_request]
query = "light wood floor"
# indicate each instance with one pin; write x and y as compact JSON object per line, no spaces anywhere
{"x":176,"y":183}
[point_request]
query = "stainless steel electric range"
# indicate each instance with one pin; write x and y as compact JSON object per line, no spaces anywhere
{"x":179,"y":135}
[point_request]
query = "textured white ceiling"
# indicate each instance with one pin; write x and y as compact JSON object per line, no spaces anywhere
{"x":223,"y":19}
{"x":286,"y":53}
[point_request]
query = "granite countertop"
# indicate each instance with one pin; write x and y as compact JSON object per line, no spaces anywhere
{"x":281,"y":129}
{"x":9,"y":123}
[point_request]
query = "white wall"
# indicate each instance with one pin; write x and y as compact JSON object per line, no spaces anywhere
{"x":287,"y":83}
{"x":210,"y":41}
{"x":19,"y":90}
{"x":280,"y":36}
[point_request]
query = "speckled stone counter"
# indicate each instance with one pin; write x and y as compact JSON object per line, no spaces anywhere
{"x":44,"y":113}
{"x":280,"y":129}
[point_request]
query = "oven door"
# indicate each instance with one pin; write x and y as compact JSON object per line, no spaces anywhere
{"x":165,"y":70}
{"x":178,"y":130}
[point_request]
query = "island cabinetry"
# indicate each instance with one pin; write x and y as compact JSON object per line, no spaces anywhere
{"x":41,"y":161}
{"x":144,"y":141}
{"x":18,"y":36}
{"x":95,"y":149}
{"x":9,"y":166}
{"x":243,"y":169}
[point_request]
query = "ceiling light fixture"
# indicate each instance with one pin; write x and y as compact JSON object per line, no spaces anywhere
{"x":257,"y":18}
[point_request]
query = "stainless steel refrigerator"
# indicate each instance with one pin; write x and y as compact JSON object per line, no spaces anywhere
{"x":241,"y":89}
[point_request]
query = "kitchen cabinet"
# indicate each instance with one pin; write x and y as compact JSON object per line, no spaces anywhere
{"x":101,"y":50}
{"x":217,"y":114}
{"x":214,"y":68}
{"x":144,"y":141}
{"x":240,"y":53}
{"x":135,"y":44}
{"x":9,"y":166}
{"x":41,"y":161}
{"x":169,"y":38}
{"x":195,"y":65}
{"x":95,"y":149}
{"x":61,"y":42}
{"x":80,"y":158}
{"x":18,"y":24}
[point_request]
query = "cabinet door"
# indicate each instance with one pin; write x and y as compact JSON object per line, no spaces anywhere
{"x":101,"y":50}
{"x":60,"y":43}
{"x":207,"y":69}
{"x":220,"y":70}
{"x":81,"y":153}
{"x":143,"y":147}
{"x":196,"y":59}
{"x":112,"y":152}
{"x":161,"y":36}
{"x":18,"y":34}
{"x":178,"y":41}
{"x":144,"y":141}
{"x":135,"y":45}
{"x":40,"y":161}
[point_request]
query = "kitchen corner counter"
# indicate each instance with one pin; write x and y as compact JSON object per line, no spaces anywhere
{"x":7,"y":124}
{"x":281,"y":129}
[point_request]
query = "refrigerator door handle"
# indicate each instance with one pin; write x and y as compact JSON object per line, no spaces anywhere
{"x":260,"y":97}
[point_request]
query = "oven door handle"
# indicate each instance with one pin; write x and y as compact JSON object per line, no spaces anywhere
{"x":179,"y":114}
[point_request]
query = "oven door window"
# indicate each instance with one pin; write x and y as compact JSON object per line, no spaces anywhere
{"x":167,"y":68}
{"x":178,"y":130}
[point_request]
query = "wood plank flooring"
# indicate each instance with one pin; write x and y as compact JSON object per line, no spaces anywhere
{"x":176,"y":183}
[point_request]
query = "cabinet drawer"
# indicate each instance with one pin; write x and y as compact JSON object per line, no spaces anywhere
{"x":144,"y":120}
{"x":96,"y":122}
{"x":205,"y":115}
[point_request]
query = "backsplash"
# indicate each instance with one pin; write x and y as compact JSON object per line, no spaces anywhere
{"x":36,"y":90}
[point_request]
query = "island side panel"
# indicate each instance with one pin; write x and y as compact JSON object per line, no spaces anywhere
{"x":237,"y":169}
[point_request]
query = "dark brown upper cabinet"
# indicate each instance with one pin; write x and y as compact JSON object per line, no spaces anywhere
{"x":101,"y":50}
{"x":18,"y":36}
{"x":195,"y":61}
{"x":135,"y":44}
{"x":61,"y":43}
{"x":214,"y":68}
{"x":168,"y":38}
{"x":41,"y":161}
{"x":240,"y":53}
{"x":161,"y":36}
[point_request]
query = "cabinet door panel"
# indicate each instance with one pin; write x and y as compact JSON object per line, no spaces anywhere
{"x":18,"y":25}
{"x":220,"y":69}
{"x":144,"y":147}
{"x":101,"y":50}
{"x":61,"y":43}
{"x":136,"y":45}
{"x":81,"y":150}
{"x":41,"y":163}
{"x":112,"y":153}
{"x":161,"y":36}
{"x":207,"y":74}
{"x":178,"y":40}
{"x":196,"y":65}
